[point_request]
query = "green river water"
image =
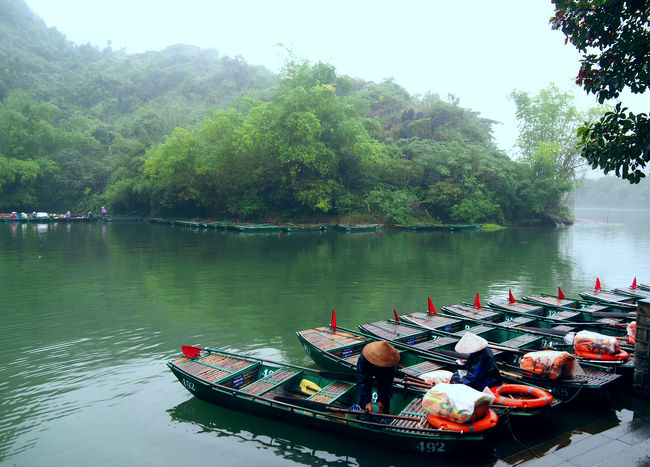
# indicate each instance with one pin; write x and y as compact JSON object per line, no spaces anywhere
{"x":91,"y":313}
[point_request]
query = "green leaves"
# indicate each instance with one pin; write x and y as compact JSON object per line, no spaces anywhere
{"x":613,"y":37}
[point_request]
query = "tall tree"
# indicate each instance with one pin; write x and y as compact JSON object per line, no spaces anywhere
{"x":550,"y":121}
{"x":614,"y":39}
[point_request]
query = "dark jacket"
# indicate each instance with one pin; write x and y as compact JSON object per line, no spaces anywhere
{"x":482,"y":371}
{"x":383,"y":376}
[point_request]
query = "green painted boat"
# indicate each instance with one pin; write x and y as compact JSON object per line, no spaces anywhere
{"x":272,"y":389}
{"x":609,"y":297}
{"x":636,"y":292}
{"x":257,"y":228}
{"x":291,"y":227}
{"x":47,"y":220}
{"x":644,"y":286}
{"x":338,"y":349}
{"x":569,"y":319}
{"x":452,"y":227}
{"x":498,"y":331}
{"x":439,"y":334}
{"x":359,"y":227}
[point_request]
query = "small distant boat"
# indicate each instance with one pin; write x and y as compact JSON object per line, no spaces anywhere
{"x":257,"y":228}
{"x":292,"y":227}
{"x":316,"y":400}
{"x":452,"y":227}
{"x":359,"y":227}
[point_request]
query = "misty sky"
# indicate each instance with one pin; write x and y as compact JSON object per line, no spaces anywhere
{"x":479,"y":51}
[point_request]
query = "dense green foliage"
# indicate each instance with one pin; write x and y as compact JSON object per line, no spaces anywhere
{"x":184,"y":132}
{"x":614,"y":38}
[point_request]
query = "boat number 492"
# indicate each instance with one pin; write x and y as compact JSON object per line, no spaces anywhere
{"x":430,"y":446}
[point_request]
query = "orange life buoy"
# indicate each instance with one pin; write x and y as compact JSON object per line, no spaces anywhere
{"x":541,"y":398}
{"x":483,"y":424}
{"x":622,"y":355}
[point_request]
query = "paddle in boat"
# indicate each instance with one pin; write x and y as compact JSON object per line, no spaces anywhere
{"x":317,"y":400}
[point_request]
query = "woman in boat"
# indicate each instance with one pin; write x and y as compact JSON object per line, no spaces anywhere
{"x":481,"y":367}
{"x":376,"y":363}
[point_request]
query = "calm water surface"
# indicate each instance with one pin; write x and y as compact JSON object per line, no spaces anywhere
{"x":91,"y":313}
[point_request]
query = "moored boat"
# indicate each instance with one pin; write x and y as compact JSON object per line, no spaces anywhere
{"x":275,"y":390}
{"x":339,"y":349}
{"x":359,"y":227}
{"x":445,"y":331}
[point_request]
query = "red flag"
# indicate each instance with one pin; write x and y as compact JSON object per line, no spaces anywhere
{"x":477,"y":302}
{"x":333,"y":323}
{"x":634,"y":284}
{"x":395,"y":313}
{"x":598,"y":287}
{"x":432,"y":309}
{"x":511,"y":298}
{"x":191,"y":352}
{"x":560,"y":294}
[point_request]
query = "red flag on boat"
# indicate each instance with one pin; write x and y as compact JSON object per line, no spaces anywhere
{"x":432,"y":309}
{"x":511,"y":298}
{"x":560,"y":294}
{"x":190,"y":351}
{"x":477,"y":302}
{"x":634,"y":284}
{"x":598,"y":287}
{"x":395,"y":313}
{"x":333,"y":323}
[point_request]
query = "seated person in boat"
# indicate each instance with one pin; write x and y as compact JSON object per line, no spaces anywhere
{"x":481,"y":367}
{"x":376,"y":363}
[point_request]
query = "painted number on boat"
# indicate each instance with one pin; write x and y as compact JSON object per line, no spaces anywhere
{"x":345,"y":353}
{"x":430,"y":447}
{"x":267,"y":372}
{"x":189,"y":385}
{"x":410,"y":341}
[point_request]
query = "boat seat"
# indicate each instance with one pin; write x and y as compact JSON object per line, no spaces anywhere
{"x":521,"y":341}
{"x":518,"y":321}
{"x":414,"y":409}
{"x":565,"y":315}
{"x":332,"y":392}
{"x":437,"y":344}
{"x":420,"y":368}
{"x":476,"y":330}
{"x":270,"y":381}
{"x":564,"y":328}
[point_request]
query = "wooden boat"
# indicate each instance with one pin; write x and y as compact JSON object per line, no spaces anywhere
{"x":564,"y":318}
{"x":596,"y":310}
{"x":637,"y":292}
{"x":257,"y":228}
{"x":609,"y":297}
{"x":339,"y":349}
{"x":445,"y":331}
{"x":452,"y":227}
{"x":273,"y":390}
{"x":516,"y":334}
{"x":45,"y":220}
{"x":644,"y":286}
{"x":359,"y":227}
{"x":291,"y":227}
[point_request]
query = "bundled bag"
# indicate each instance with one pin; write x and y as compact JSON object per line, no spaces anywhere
{"x":588,"y":341}
{"x":631,"y":332}
{"x":552,"y":364}
{"x":457,"y":402}
{"x":437,"y":376}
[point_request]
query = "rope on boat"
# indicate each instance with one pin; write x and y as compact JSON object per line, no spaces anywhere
{"x":529,"y":449}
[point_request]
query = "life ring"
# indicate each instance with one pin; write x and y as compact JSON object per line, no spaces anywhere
{"x":622,"y":355}
{"x":541,"y":398}
{"x":483,"y":424}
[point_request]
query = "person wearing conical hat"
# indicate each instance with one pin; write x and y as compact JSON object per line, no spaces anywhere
{"x":376,"y":364}
{"x":480,"y":367}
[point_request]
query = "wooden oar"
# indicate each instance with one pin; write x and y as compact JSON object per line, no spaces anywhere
{"x":319,"y":406}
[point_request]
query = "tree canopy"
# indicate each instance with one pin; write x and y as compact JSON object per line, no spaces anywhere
{"x":614,"y":39}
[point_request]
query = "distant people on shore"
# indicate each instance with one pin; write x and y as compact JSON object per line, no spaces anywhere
{"x":104,"y":211}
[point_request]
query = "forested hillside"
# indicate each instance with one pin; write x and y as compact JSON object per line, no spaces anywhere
{"x":186,"y":132}
{"x":612,"y":192}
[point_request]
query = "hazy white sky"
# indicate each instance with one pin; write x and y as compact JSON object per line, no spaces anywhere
{"x":477,"y":50}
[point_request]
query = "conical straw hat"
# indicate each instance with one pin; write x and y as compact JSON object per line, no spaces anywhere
{"x":381,"y":353}
{"x":470,"y":343}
